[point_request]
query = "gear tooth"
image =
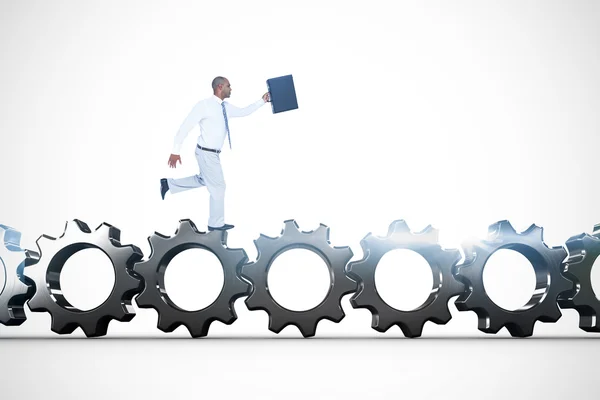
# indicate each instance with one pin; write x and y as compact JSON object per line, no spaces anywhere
{"x":253,"y":302}
{"x":357,"y":268}
{"x":596,"y":231}
{"x":107,"y":231}
{"x":308,"y":330}
{"x":166,"y":322}
{"x":142,"y":267}
{"x":276,"y":325}
{"x":381,"y":323}
{"x":521,"y":330}
{"x":430,"y":235}
{"x":222,"y":239}
{"x":576,"y":250}
{"x":589,"y":323}
{"x":241,"y":286}
{"x":344,"y":253}
{"x":10,"y":237}
{"x":215,"y":238}
{"x":44,"y":241}
{"x":186,"y":226}
{"x":452,"y":256}
{"x":36,"y":303}
{"x":290,"y":226}
{"x":75,"y":227}
{"x":156,"y":240}
{"x":262,"y":242}
{"x":134,"y":283}
{"x":488,"y":325}
{"x":227,"y":316}
{"x":559,"y":254}
{"x":31,"y":257}
{"x":143,"y":300}
{"x":465,"y":301}
{"x":412,"y":330}
{"x":398,"y":226}
{"x":62,"y":327}
{"x":358,"y":300}
{"x":248,"y":270}
{"x":553,"y":314}
{"x":535,"y":231}
{"x":198,"y":330}
{"x":337,"y":314}
{"x":322,"y":232}
{"x":470,"y":250}
{"x":501,"y":228}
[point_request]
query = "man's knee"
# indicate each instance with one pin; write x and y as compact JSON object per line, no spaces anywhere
{"x":217,"y":191}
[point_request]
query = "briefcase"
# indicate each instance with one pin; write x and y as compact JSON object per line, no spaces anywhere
{"x":283,"y":93}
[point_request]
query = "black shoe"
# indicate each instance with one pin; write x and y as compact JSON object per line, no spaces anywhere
{"x":164,"y":187}
{"x":220,"y":228}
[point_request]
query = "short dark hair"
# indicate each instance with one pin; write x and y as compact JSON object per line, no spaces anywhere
{"x":217,"y":81}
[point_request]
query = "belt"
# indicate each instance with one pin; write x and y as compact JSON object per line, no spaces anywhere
{"x":207,"y":149}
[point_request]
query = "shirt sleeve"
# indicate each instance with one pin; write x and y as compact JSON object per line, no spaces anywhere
{"x":233,"y":111}
{"x":190,"y":121}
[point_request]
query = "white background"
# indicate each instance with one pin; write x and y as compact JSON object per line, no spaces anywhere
{"x":455,"y":114}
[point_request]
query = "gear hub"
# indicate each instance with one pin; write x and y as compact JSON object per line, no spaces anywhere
{"x":441,"y":262}
{"x":316,"y":241}
{"x":45,"y":274}
{"x":550,"y":283}
{"x":155,"y":296}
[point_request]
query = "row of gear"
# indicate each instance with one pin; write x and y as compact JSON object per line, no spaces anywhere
{"x":34,"y":278}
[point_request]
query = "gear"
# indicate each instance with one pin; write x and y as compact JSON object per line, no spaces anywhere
{"x":547,"y":264}
{"x":442,"y":262}
{"x":317,"y":241}
{"x":583,"y":251}
{"x":46,"y":276}
{"x":16,"y":289}
{"x":154,"y":295}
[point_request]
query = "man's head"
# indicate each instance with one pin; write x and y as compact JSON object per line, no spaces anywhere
{"x":221,"y":87}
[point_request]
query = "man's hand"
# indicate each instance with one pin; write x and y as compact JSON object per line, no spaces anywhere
{"x":267,"y":97}
{"x":173,"y":160}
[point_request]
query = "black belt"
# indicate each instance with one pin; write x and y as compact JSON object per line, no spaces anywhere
{"x":207,"y":149}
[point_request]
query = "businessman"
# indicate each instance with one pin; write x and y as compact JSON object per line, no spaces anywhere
{"x":212,"y":114}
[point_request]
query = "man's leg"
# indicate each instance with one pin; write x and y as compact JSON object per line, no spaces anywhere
{"x":212,"y":175}
{"x":182,"y":184}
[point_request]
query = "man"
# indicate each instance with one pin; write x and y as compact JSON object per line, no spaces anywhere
{"x":212,"y":115}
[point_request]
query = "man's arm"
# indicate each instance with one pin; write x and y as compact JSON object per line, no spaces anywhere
{"x":233,"y":111}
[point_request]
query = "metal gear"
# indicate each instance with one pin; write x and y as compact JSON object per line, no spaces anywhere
{"x":154,"y":295}
{"x":441,"y":261}
{"x":16,"y":290}
{"x":46,"y":276}
{"x":583,"y":251}
{"x":547,"y":264}
{"x":317,"y":241}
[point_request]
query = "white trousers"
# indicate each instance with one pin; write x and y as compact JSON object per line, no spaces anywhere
{"x":211,"y":176}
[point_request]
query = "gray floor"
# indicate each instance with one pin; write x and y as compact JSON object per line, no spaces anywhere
{"x":290,"y":368}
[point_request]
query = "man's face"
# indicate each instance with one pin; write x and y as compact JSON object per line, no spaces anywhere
{"x":226,"y":89}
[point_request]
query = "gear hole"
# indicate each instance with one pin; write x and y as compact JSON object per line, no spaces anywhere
{"x":509,"y":279}
{"x":403,"y":279}
{"x":193,"y":279}
{"x":2,"y":276}
{"x":595,"y":277}
{"x":87,"y":279}
{"x":298,"y":279}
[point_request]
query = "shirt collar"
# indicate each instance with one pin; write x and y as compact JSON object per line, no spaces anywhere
{"x":217,"y":99}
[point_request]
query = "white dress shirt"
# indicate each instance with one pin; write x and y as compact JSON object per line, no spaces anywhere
{"x":209,"y":115}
